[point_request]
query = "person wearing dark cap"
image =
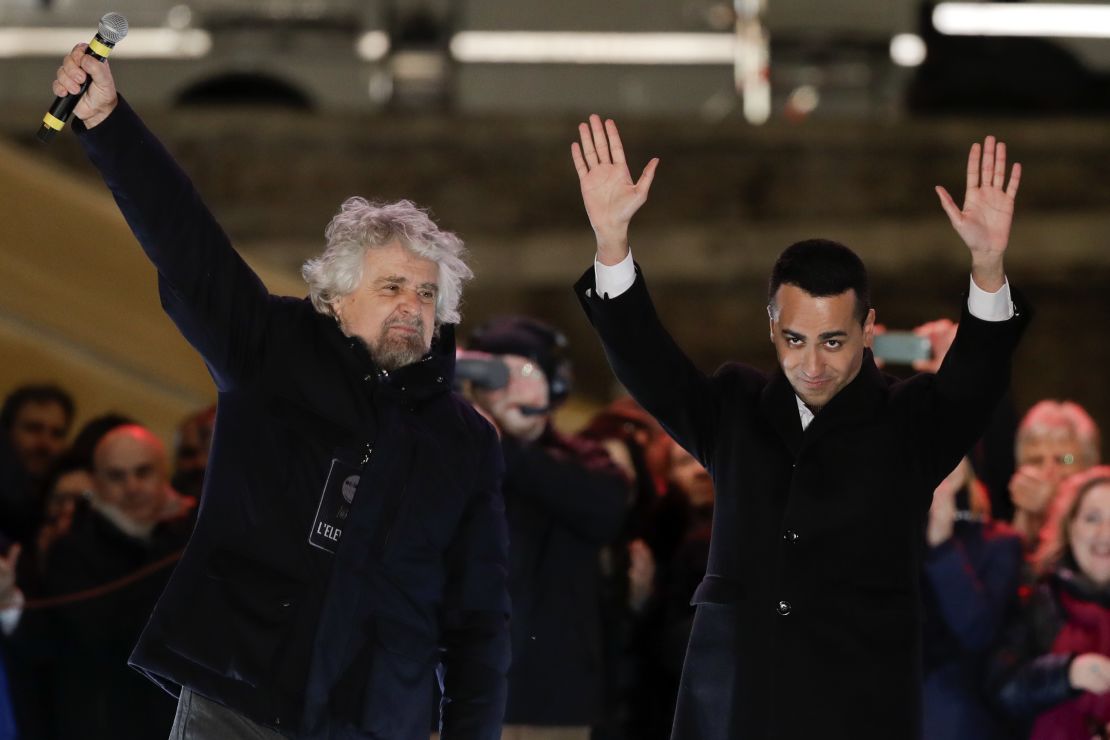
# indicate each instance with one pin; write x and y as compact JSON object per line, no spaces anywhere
{"x":565,"y":500}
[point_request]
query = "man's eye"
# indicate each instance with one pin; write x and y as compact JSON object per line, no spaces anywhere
{"x":392,"y":287}
{"x":794,"y":341}
{"x":427,"y":294}
{"x":834,"y":344}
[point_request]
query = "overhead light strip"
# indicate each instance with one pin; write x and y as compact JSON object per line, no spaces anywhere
{"x":1023,"y":19}
{"x":141,"y":43}
{"x":557,"y":47}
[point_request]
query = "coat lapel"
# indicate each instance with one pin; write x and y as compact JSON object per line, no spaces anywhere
{"x":780,"y":407}
{"x":855,"y":403}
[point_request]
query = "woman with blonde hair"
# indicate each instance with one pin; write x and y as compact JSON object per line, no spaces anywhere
{"x":1053,"y":671}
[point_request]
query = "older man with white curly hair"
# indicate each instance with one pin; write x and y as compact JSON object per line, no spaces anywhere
{"x":351,"y":536}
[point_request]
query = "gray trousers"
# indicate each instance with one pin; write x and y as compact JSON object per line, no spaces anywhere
{"x":198,"y":718}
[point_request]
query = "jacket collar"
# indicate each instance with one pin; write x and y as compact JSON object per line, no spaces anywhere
{"x":854,"y":403}
{"x":430,"y":376}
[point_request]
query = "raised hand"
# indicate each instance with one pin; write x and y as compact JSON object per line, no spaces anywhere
{"x":100,"y":99}
{"x":610,"y":196}
{"x":984,"y":221}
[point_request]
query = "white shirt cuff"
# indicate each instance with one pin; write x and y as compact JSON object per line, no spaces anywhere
{"x":9,"y":618}
{"x":990,"y":306}
{"x":612,"y":280}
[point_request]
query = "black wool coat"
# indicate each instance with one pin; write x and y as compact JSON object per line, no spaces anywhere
{"x":808,"y":621}
{"x":319,"y":642}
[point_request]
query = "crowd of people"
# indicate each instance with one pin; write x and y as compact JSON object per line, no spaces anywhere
{"x":610,"y":539}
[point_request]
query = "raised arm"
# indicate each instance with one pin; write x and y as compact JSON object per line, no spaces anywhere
{"x":642,"y":354}
{"x":216,"y":300}
{"x":975,"y":371}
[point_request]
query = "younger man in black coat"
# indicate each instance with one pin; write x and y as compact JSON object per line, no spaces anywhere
{"x":808,"y":620}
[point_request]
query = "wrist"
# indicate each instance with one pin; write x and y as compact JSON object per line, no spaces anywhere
{"x":612,"y":246}
{"x":989,"y":275}
{"x":98,"y":118}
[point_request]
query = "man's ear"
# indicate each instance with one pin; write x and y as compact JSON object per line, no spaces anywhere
{"x":869,"y":328}
{"x":771,"y":322}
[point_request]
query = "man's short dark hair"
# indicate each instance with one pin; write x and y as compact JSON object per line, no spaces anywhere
{"x":39,"y":393}
{"x":822,"y":267}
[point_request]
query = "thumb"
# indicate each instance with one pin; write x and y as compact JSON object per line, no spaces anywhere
{"x":643,"y":185}
{"x":949,"y":206}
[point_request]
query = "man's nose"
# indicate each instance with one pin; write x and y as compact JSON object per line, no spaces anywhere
{"x":410,"y":301}
{"x":811,"y":364}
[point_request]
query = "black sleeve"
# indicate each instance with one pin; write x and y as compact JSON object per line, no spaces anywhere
{"x":651,"y":365}
{"x":968,"y":386}
{"x":216,"y":300}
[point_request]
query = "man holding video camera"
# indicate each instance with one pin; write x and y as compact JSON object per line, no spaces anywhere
{"x":565,"y":501}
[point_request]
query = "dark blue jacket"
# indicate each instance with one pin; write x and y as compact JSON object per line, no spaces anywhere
{"x":316,"y":644}
{"x":969,"y":586}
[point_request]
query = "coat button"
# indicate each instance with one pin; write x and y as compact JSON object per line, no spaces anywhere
{"x":790,"y":536}
{"x":784,"y":608}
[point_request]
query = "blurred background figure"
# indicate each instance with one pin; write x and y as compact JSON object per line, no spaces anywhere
{"x":565,"y":501}
{"x":969,"y":586}
{"x":34,"y":425}
{"x":1052,"y":672}
{"x":1054,"y":440}
{"x":640,"y":447}
{"x":191,"y":446}
{"x":70,"y":676}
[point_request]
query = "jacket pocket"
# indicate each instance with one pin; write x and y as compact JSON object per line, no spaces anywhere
{"x":244,"y":607}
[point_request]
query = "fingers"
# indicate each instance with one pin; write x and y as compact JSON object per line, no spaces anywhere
{"x":579,"y":162}
{"x":998,"y":179}
{"x":589,"y":153}
{"x":616,"y":147}
{"x":72,"y":74}
{"x":988,"y":162}
{"x":601,"y":143}
{"x":646,"y":177}
{"x":973,"y":167}
{"x":949,"y":206}
{"x":1015,"y":180}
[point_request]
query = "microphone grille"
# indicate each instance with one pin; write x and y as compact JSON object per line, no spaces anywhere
{"x":112,"y":28}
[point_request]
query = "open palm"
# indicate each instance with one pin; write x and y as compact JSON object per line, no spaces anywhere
{"x":984,"y":221}
{"x":608,"y":192}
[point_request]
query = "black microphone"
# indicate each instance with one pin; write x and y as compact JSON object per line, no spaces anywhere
{"x":112,"y":29}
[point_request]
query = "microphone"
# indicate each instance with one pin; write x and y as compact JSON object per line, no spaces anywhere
{"x":112,"y":29}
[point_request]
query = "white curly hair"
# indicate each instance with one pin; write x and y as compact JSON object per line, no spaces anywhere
{"x":361,"y":225}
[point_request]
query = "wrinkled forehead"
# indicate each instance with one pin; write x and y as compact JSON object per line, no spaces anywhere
{"x":397,"y":261}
